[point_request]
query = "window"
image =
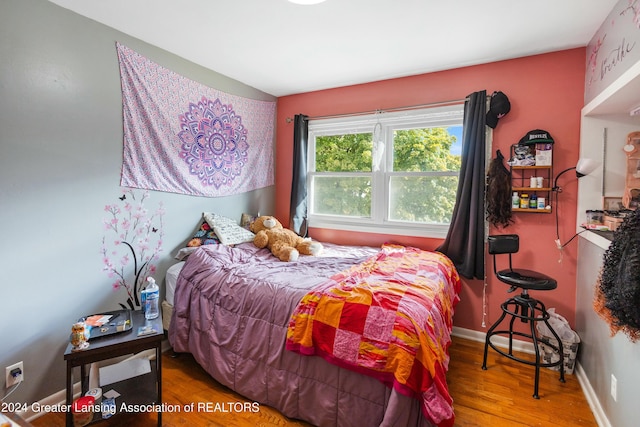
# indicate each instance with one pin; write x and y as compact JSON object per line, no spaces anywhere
{"x":392,"y":173}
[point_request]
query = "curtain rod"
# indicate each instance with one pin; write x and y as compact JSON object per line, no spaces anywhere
{"x":390,"y":110}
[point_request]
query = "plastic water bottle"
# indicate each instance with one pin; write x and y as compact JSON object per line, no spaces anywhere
{"x":151,"y":299}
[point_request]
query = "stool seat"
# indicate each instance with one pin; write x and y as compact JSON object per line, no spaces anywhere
{"x":527,"y":279}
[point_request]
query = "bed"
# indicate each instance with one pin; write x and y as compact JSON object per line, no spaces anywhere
{"x":234,"y":310}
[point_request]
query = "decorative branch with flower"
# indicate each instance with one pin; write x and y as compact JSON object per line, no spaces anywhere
{"x":133,"y":238}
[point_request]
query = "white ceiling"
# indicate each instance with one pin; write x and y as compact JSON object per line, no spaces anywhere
{"x":283,"y":48}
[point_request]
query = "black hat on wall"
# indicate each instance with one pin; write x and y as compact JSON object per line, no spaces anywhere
{"x":499,"y":106}
{"x":536,"y":136}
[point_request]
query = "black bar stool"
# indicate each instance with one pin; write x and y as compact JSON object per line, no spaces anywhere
{"x":523,"y":307}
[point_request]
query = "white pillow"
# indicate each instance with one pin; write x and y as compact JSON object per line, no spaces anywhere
{"x":214,"y":219}
{"x":227,"y":230}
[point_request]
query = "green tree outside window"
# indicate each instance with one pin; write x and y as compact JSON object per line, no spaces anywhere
{"x":422,"y":184}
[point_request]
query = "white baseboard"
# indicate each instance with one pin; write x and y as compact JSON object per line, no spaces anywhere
{"x":592,"y":399}
{"x":56,"y":399}
{"x":527,"y":347}
{"x":60,"y":397}
{"x":500,"y":341}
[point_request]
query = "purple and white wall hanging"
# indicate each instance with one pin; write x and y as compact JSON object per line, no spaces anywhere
{"x":184,"y":137}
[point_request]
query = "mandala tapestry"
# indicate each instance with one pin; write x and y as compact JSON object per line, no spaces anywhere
{"x":183,"y":137}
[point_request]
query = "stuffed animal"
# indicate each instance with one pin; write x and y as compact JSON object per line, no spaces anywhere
{"x":285,"y":244}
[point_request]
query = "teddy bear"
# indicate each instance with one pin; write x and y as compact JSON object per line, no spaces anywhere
{"x":285,"y":244}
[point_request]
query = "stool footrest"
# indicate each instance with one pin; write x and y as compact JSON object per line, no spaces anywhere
{"x":520,"y":359}
{"x":531,"y":311}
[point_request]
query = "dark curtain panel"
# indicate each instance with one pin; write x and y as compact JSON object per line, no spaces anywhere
{"x":464,"y":243}
{"x":298,"y":207}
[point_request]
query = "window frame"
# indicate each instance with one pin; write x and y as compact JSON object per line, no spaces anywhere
{"x":387,"y":122}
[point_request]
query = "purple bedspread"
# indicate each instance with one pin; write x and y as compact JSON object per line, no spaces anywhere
{"x":231,"y":311}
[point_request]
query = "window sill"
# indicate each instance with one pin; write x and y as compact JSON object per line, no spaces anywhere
{"x":428,"y":231}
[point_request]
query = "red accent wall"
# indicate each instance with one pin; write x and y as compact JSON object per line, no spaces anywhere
{"x":546,"y":92}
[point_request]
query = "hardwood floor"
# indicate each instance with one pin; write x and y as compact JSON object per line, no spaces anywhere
{"x":502,"y":395}
{"x":499,"y":396}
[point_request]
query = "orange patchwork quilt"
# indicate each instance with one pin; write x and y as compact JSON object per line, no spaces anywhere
{"x":389,"y":317}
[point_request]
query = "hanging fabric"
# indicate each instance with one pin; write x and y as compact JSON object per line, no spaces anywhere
{"x":499,"y":192}
{"x":183,"y":137}
{"x":298,"y":202}
{"x":464,"y":243}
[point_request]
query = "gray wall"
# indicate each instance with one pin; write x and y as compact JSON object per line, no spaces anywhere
{"x":600,"y":354}
{"x":60,"y":159}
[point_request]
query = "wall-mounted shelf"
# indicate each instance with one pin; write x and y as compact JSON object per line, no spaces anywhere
{"x":521,"y":183}
{"x":531,"y":210}
{"x":529,"y":189}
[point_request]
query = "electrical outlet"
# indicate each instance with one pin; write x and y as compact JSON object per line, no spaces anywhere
{"x":614,"y":388}
{"x":11,"y":379}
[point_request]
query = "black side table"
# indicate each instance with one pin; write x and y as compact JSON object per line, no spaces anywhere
{"x":140,"y":390}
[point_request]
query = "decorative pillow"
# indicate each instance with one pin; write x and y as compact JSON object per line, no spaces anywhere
{"x":233,"y":234}
{"x":246,"y":220}
{"x":204,"y":236}
{"x":227,"y":230}
{"x":214,"y":219}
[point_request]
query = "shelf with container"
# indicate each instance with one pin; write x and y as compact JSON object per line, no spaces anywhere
{"x":534,"y":181}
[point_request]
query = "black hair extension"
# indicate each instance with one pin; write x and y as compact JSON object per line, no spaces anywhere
{"x":498,"y":197}
{"x":618,"y":290}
